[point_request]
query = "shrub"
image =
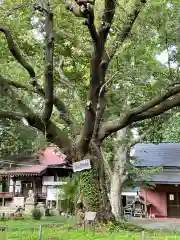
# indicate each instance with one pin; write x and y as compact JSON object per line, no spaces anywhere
{"x":125,"y":226}
{"x":36,"y":213}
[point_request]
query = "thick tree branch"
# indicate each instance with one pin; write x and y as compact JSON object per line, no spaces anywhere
{"x":49,"y":49}
{"x":16,"y":84}
{"x":85,"y":10}
{"x":17,"y":116}
{"x":91,"y":105}
{"x":16,"y":52}
{"x":50,"y":130}
{"x":159,"y":109}
{"x":150,"y":109}
{"x":101,"y":106}
{"x":155,"y":101}
{"x":75,"y":8}
{"x":107,"y":19}
{"x":38,"y":90}
{"x":18,"y":56}
{"x":52,"y":133}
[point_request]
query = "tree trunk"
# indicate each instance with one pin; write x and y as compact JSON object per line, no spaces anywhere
{"x":93,"y":186}
{"x":105,"y":206}
{"x":119,"y":174}
{"x":115,"y":195}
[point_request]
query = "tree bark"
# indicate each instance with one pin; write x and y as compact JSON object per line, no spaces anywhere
{"x":115,"y":196}
{"x":119,"y":175}
{"x":94,"y":188}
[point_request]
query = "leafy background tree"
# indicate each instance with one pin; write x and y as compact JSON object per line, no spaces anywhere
{"x":134,"y":75}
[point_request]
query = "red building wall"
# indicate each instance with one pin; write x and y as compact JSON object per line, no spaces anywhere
{"x":158,"y":200}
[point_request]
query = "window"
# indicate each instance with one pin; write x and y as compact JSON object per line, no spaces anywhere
{"x":171,"y":197}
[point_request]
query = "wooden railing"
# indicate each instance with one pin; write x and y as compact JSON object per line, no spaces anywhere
{"x":6,"y":195}
{"x":39,"y":195}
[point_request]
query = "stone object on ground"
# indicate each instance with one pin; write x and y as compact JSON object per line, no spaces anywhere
{"x":54,"y":212}
{"x":29,"y":207}
{"x":41,"y":207}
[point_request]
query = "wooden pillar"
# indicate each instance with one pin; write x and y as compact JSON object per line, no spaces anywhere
{"x":57,"y":198}
{"x":46,"y":196}
{"x":3,"y":202}
{"x":34,"y":188}
{"x":34,"y":184}
{"x":55,"y":176}
{"x":4,"y":184}
{"x":14,"y":185}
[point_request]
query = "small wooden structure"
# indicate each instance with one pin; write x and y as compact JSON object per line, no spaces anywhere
{"x":140,"y":207}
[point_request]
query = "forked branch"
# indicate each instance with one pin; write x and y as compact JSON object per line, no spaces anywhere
{"x":17,"y":116}
{"x":150,"y":109}
{"x":107,"y":19}
{"x":84,"y":9}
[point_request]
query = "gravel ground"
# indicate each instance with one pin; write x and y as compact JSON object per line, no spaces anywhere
{"x":158,"y":223}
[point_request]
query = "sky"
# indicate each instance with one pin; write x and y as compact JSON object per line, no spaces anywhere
{"x":163,"y":57}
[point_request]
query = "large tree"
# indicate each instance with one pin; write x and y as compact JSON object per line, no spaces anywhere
{"x":41,"y":95}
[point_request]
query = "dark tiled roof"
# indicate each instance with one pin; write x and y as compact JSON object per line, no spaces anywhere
{"x":163,"y":154}
{"x":167,"y":177}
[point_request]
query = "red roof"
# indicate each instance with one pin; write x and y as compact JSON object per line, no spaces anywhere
{"x":49,"y":156}
{"x":29,"y":170}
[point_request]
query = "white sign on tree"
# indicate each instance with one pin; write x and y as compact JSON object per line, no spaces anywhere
{"x":81,"y":165}
{"x":90,"y":216}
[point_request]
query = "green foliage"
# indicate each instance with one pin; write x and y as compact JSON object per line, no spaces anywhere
{"x":36,"y":214}
{"x":85,"y":182}
{"x":171,"y":128}
{"x":71,"y":192}
{"x":123,"y":226}
{"x":135,"y":73}
{"x":90,"y":188}
{"x":141,"y":176}
{"x":28,"y":230}
{"x":140,"y":76}
{"x":16,"y":138}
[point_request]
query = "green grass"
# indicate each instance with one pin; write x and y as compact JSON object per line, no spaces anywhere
{"x":28,"y":230}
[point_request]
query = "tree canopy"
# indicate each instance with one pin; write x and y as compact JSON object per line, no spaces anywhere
{"x":71,"y":80}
